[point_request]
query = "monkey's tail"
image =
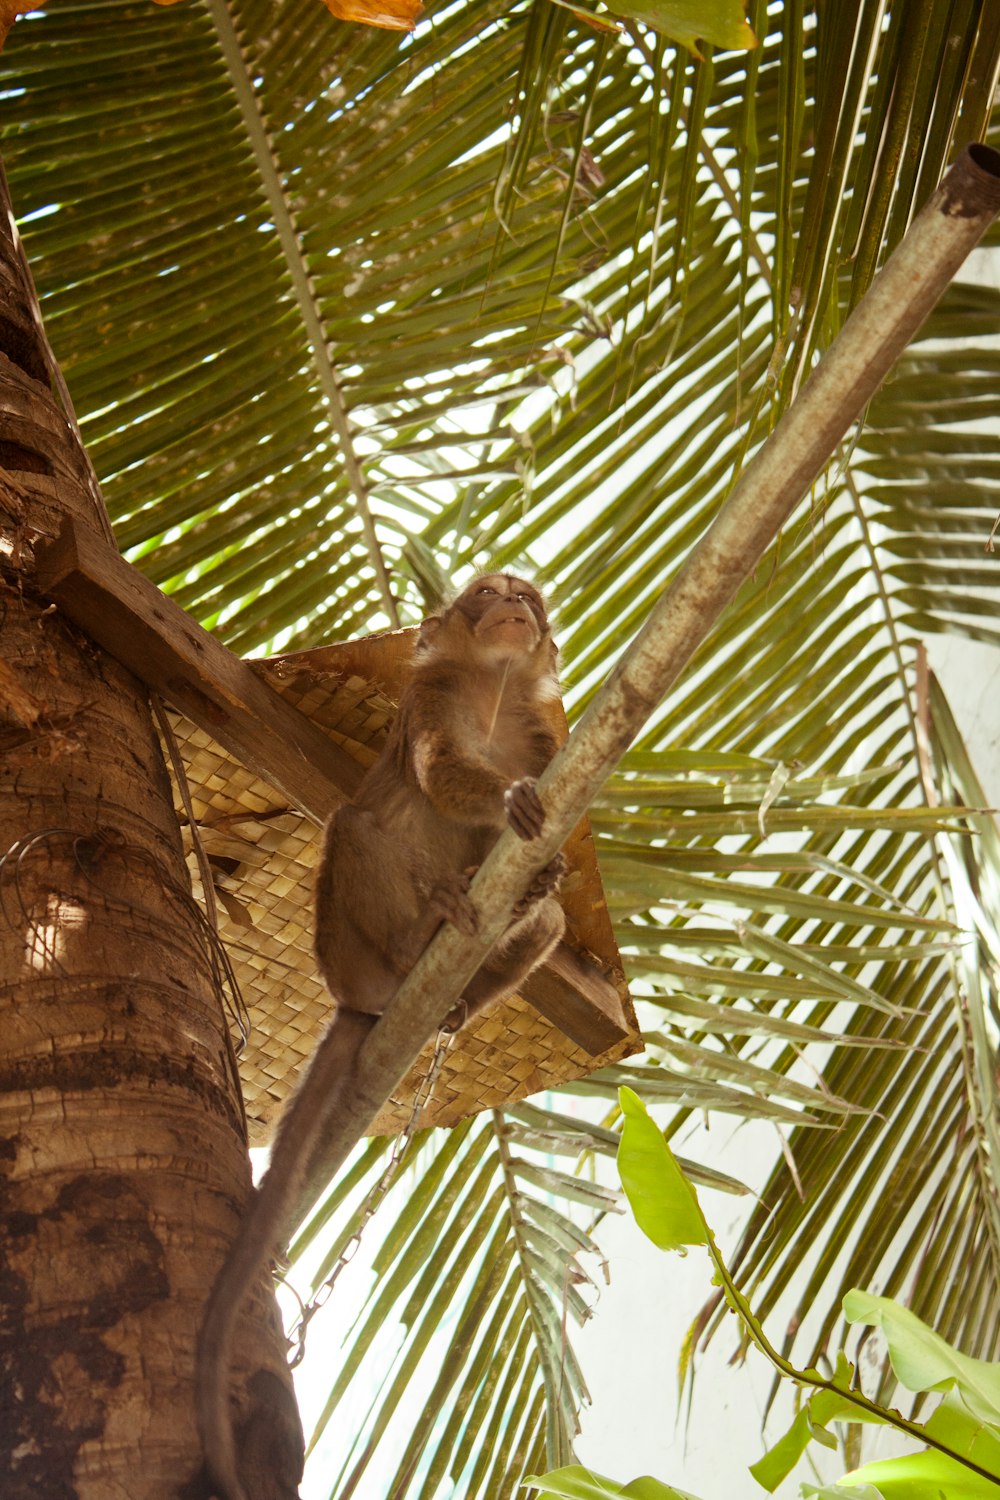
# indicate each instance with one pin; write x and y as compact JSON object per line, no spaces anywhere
{"x":215,"y":1428}
{"x":261,"y":1232}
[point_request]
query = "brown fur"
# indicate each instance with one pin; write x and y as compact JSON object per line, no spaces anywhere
{"x":458,"y":767}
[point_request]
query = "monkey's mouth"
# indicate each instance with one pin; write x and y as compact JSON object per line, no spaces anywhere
{"x":509,"y":620}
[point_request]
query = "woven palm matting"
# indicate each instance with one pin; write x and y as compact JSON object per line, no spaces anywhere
{"x":263,"y":854}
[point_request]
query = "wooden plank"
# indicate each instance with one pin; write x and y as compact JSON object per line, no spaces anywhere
{"x":152,"y":636}
{"x":574,"y":994}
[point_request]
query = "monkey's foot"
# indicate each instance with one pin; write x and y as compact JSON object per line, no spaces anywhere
{"x":524,"y":811}
{"x":449,"y":900}
{"x":545,"y":883}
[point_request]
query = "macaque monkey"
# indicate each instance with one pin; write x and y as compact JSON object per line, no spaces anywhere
{"x":457,"y":769}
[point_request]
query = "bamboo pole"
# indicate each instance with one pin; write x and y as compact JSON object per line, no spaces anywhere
{"x":335,"y":1111}
{"x":878,"y":330}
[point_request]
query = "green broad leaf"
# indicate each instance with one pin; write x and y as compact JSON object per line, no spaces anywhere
{"x":720,"y":22}
{"x":843,"y":1491}
{"x":577,"y":1483}
{"x":916,"y":1475}
{"x":663,"y":1201}
{"x":654,"y":1489}
{"x":952,"y":1423}
{"x":780,"y":1460}
{"x":810,"y":1425}
{"x":923,"y":1360}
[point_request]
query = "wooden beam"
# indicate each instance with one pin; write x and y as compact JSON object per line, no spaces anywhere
{"x":151,"y":635}
{"x":574,"y":994}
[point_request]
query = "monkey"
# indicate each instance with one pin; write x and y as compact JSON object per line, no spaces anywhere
{"x":458,"y":767}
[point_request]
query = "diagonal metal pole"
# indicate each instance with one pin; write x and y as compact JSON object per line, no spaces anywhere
{"x":768,"y":490}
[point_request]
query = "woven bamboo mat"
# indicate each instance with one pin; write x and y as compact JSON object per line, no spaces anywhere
{"x":263,"y":855}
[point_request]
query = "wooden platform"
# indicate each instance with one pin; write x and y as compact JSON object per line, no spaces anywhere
{"x":269,"y":748}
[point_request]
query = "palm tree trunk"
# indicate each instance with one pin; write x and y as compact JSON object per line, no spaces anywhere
{"x":123,"y":1161}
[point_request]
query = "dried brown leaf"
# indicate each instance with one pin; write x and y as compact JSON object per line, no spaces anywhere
{"x":9,"y":12}
{"x":394,"y":15}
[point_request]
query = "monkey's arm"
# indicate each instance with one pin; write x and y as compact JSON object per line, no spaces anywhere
{"x":458,"y":779}
{"x":461,"y":788}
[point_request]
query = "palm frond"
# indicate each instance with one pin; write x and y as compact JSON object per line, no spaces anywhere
{"x":486,"y":1260}
{"x":524,"y":294}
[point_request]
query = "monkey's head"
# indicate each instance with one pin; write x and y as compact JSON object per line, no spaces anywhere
{"x":497,"y":620}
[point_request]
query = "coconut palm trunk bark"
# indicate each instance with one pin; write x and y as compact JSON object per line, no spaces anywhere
{"x":123,"y":1161}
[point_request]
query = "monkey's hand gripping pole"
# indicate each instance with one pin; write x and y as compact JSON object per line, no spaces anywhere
{"x":331,"y":1111}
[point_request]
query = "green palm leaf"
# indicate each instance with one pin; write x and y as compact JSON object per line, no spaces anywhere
{"x":478,"y":1270}
{"x":345,"y":315}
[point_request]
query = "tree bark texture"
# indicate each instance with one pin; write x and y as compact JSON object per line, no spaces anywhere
{"x":123,"y":1161}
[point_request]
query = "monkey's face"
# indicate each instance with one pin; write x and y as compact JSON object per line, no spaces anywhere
{"x":506,"y":615}
{"x":499,"y":620}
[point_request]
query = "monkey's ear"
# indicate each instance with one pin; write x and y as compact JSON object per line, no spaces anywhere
{"x":428,"y":634}
{"x":549,"y":683}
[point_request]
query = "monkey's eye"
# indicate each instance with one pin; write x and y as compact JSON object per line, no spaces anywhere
{"x":485,"y":589}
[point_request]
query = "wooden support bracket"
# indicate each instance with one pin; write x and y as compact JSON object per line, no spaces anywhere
{"x":572,"y":992}
{"x":151,"y":635}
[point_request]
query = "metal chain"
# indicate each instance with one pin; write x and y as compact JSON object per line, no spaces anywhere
{"x":376,"y":1195}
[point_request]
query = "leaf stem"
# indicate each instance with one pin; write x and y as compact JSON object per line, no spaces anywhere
{"x":744,"y":1312}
